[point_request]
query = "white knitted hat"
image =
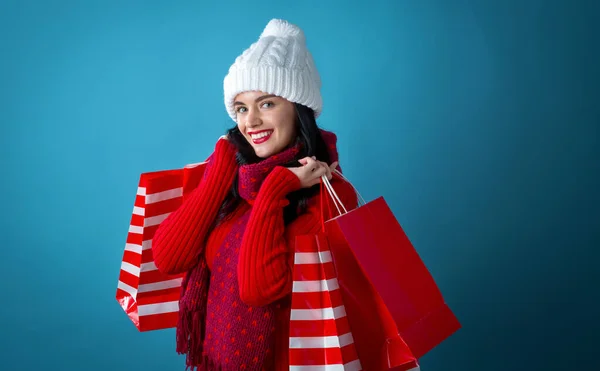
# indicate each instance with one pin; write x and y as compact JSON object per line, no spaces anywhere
{"x":278,"y":63}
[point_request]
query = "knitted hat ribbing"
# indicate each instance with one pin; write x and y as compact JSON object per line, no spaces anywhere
{"x":278,"y":63}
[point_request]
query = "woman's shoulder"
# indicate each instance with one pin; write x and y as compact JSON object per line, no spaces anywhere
{"x":223,"y":150}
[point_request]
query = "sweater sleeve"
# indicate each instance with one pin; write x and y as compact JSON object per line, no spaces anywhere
{"x":179,"y":239}
{"x":266,"y":255}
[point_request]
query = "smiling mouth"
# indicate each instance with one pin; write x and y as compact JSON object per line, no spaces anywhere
{"x":261,"y":137}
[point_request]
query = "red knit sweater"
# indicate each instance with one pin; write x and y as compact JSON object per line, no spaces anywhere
{"x":266,"y":254}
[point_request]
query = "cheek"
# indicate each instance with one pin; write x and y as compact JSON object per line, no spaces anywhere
{"x":241,"y":128}
{"x":291,"y":129}
{"x":286,"y":131}
{"x":286,"y":126}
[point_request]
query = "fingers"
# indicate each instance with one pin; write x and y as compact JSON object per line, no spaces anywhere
{"x":317,"y":174}
{"x":332,"y":168}
{"x":321,"y":170}
{"x":312,"y":166}
{"x":327,"y":170}
{"x":313,"y":170}
{"x":304,"y":160}
{"x":310,"y":162}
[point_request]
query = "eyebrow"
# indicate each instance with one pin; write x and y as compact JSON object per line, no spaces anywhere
{"x":257,"y":99}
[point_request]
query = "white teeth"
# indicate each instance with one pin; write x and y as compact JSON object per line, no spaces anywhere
{"x":261,"y":135}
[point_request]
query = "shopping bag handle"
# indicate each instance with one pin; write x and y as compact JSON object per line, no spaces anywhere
{"x":349,"y":182}
{"x":336,"y":199}
{"x":334,"y":195}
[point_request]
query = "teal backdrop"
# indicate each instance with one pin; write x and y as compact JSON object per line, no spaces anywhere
{"x":478,"y":121}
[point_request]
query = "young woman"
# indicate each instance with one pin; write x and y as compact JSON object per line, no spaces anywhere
{"x":234,"y":235}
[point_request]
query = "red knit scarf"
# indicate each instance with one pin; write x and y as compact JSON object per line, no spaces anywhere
{"x":216,"y":330}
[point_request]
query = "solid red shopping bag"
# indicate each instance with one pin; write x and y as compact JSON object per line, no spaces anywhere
{"x":378,"y":342}
{"x":400,"y":290}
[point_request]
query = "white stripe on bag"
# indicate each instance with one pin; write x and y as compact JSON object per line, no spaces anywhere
{"x":321,"y":342}
{"x":168,"y":307}
{"x":163,"y":285}
{"x":353,"y":366}
{"x":346,"y":339}
{"x":318,"y":368}
{"x":133,"y":247}
{"x":163,"y":196}
{"x":350,"y":366}
{"x":130,"y":268}
{"x":312,"y":257}
{"x":146,"y":245}
{"x":141,"y":191}
{"x":155,"y":220}
{"x":136,"y":229}
{"x":138,"y":210}
{"x":315,"y":286}
{"x":128,"y":289}
{"x":317,"y":314}
{"x":147,"y":267}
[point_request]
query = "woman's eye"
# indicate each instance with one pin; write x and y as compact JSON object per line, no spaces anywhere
{"x":267,"y":104}
{"x":241,"y":109}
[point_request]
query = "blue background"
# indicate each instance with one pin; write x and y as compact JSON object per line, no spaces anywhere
{"x":477,"y":121}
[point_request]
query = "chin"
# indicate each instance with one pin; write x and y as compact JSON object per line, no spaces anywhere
{"x":263,"y":153}
{"x":266,"y":151}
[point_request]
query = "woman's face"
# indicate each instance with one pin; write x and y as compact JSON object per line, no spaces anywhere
{"x":268,"y":122}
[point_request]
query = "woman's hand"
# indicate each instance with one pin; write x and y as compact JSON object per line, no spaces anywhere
{"x":311,"y":171}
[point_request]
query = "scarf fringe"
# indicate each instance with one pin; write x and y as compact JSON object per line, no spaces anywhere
{"x":190,"y":335}
{"x":205,"y":364}
{"x":208,"y":365}
{"x":192,"y":319}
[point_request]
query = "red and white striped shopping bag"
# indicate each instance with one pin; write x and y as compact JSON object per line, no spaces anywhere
{"x":320,"y":336}
{"x":150,"y":298}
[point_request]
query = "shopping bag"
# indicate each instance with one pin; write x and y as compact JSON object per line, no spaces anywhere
{"x":320,"y":336}
{"x":369,"y":242}
{"x":378,"y":344}
{"x":149,"y":297}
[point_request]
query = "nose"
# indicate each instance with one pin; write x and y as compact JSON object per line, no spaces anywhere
{"x":252,"y":119}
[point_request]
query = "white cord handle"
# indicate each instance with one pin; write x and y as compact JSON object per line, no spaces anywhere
{"x":333,"y":194}
{"x":336,"y":201}
{"x":353,"y":187}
